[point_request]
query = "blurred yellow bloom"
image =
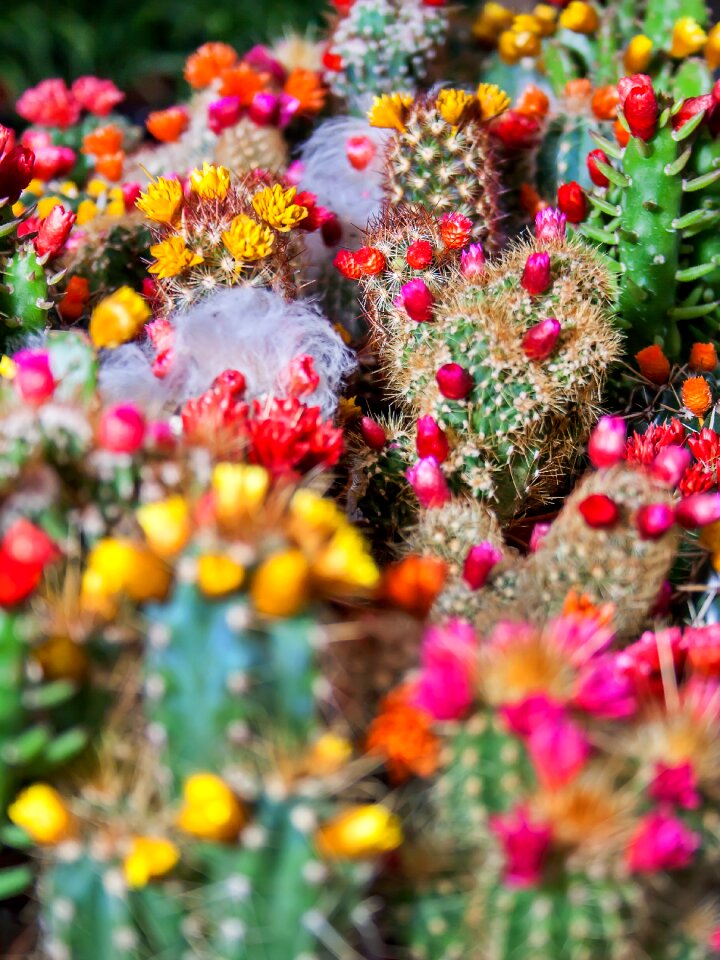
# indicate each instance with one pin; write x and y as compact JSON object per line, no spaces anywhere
{"x":95,"y":597}
{"x":247,"y":240}
{"x":580,"y":17}
{"x":346,"y":563}
{"x":712,"y":48}
{"x":149,"y":857}
{"x":312,"y":515}
{"x":41,"y":812}
{"x":166,"y":525}
{"x":281,"y":585}
{"x":95,"y":187}
{"x":526,"y":23}
{"x":452,"y":104}
{"x":493,"y":101}
{"x":638,"y":54}
{"x":172,"y":257}
{"x":491,"y":21}
{"x":275,"y":206}
{"x":546,"y":15}
{"x":688,"y":37}
{"x":363,"y":831}
{"x":124,"y":567}
{"x":210,"y":183}
{"x":710,"y":537}
{"x":388,"y":111}
{"x":118,"y":318}
{"x":46,"y":204}
{"x":513,"y":46}
{"x":87,"y":210}
{"x":239,"y":489}
{"x":210,"y":810}
{"x":162,"y":200}
{"x":219,"y":574}
{"x":329,"y":754}
{"x":8,"y":367}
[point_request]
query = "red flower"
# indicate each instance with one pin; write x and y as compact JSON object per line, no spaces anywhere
{"x":642,"y":448}
{"x":50,"y":104}
{"x":286,"y":436}
{"x":360,"y":152}
{"x":332,"y":61}
{"x":697,"y":479}
{"x":96,"y":95}
{"x":370,"y":261}
{"x":705,"y":446}
{"x":54,"y":231}
{"x":347,"y":264}
{"x":690,"y":107}
{"x":26,"y":543}
{"x":455,"y":229}
{"x":373,"y":433}
{"x":300,"y":377}
{"x":599,"y":511}
{"x":52,"y":162}
{"x":572,"y":202}
{"x":639,"y":104}
{"x":317,"y":216}
{"x":431,"y":439}
{"x":539,"y":341}
{"x":598,"y":178}
{"x":515,"y":130}
{"x":419,"y":254}
{"x":16,"y":166}
{"x":536,"y":276}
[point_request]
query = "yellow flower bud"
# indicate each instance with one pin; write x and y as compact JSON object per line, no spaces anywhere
{"x":712,"y":48}
{"x":638,"y":54}
{"x":508,"y":47}
{"x":314,"y":518}
{"x":580,"y":17}
{"x":452,"y":104}
{"x":210,"y":183}
{"x":124,"y":567}
{"x":95,"y":187}
{"x":345,"y":562}
{"x":118,"y":318}
{"x":281,"y":585}
{"x":492,"y":20}
{"x":162,"y":200}
{"x":527,"y":22}
{"x":688,"y":37}
{"x":493,"y":101}
{"x":546,"y":15}
{"x":388,"y":111}
{"x":96,"y":596}
{"x":8,"y":367}
{"x":149,"y":857}
{"x":87,"y":210}
{"x":60,"y":658}
{"x":166,"y":525}
{"x":329,"y":754}
{"x":218,"y":574}
{"x":211,"y":810}
{"x":527,"y":44}
{"x":360,"y":832}
{"x":239,"y":490}
{"x":41,"y":812}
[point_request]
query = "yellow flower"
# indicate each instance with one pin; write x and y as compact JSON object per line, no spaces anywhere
{"x":60,"y":658}
{"x":493,"y":101}
{"x":118,"y":318}
{"x":162,"y":200}
{"x":580,"y":17}
{"x":95,"y":187}
{"x":546,"y":16}
{"x":95,"y":597}
{"x":281,"y":585}
{"x":166,"y":525}
{"x":211,"y":810}
{"x":346,"y":563}
{"x":116,"y":206}
{"x":363,"y":831}
{"x":36,"y":187}
{"x":172,"y":257}
{"x":275,"y":206}
{"x":514,"y":45}
{"x":122,"y":566}
{"x":312,"y":515}
{"x":638,"y":54}
{"x":149,"y":857}
{"x":452,"y":104}
{"x":712,"y":47}
{"x":329,"y":754}
{"x":218,"y":574}
{"x":688,"y":37}
{"x":388,"y":111}
{"x":210,"y":183}
{"x":87,"y":210}
{"x":41,"y":812}
{"x":527,"y":23}
{"x":240,"y":490}
{"x":247,"y":240}
{"x":8,"y":367}
{"x":491,"y":21}
{"x":46,"y":204}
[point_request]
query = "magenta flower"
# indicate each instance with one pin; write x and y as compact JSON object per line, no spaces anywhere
{"x":539,"y":341}
{"x":34,"y":380}
{"x":526,"y":715}
{"x":539,"y":532}
{"x":265,"y":109}
{"x":97,"y":96}
{"x":698,"y":510}
{"x":417,"y":300}
{"x":525,"y":845}
{"x":604,"y":690}
{"x":121,"y":429}
{"x":558,"y":750}
{"x":536,"y":277}
{"x":445,"y":688}
{"x":654,"y":520}
{"x":607,"y":442}
{"x":472,"y":262}
{"x":454,"y":382}
{"x":431,"y":440}
{"x":429,"y":483}
{"x":550,"y":224}
{"x":479,"y":563}
{"x":676,"y":786}
{"x":670,"y":464}
{"x":661,"y":842}
{"x":224,"y":113}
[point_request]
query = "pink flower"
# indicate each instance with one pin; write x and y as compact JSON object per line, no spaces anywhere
{"x":539,"y":532}
{"x":121,"y":429}
{"x":676,"y":786}
{"x":698,"y":510}
{"x":479,"y":563}
{"x":550,"y":224}
{"x":431,"y":440}
{"x":288,"y":109}
{"x":52,"y":162}
{"x":260,"y":58}
{"x":654,"y":520}
{"x":536,"y":277}
{"x":96,"y":95}
{"x":224,"y":113}
{"x":265,"y":109}
{"x":429,"y":483}
{"x":445,"y":688}
{"x":604,"y":690}
{"x":161,"y":334}
{"x":34,"y":380}
{"x":300,"y":378}
{"x":525,"y":716}
{"x":539,"y":341}
{"x":670,"y":464}
{"x":130,"y":191}
{"x":472,"y":262}
{"x":454,"y":382}
{"x":53,"y":232}
{"x":661,"y":842}
{"x":607,"y":442}
{"x":525,"y":845}
{"x":558,"y":750}
{"x":50,"y":104}
{"x":417,"y":300}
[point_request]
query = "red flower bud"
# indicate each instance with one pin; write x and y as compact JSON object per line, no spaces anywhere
{"x":429,"y":483}
{"x":670,"y":464}
{"x":332,"y":61}
{"x":224,"y":113}
{"x":698,"y":510}
{"x":16,"y":166}
{"x":264,"y":109}
{"x":419,"y":254}
{"x":360,"y":152}
{"x":654,"y":520}
{"x":53,"y":232}
{"x":598,"y":178}
{"x":417,"y":301}
{"x":373,"y":434}
{"x":599,"y":511}
{"x":431,"y":440}
{"x":536,"y":277}
{"x":121,"y":429}
{"x":455,"y":229}
{"x":515,"y":130}
{"x":572,"y":202}
{"x":539,"y":341}
{"x":639,"y":104}
{"x":347,"y":264}
{"x":479,"y":563}
{"x":690,"y":107}
{"x":454,"y":382}
{"x":370,"y":261}
{"x":607,"y":442}
{"x":52,"y":162}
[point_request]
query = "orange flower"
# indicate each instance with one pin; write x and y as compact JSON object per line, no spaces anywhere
{"x":530,"y":200}
{"x":654,"y":365}
{"x":167,"y":125}
{"x":401,"y":734}
{"x":696,"y":395}
{"x":605,"y":102}
{"x":580,"y":605}
{"x":703,"y":357}
{"x":243,"y":82}
{"x":533,"y":103}
{"x":110,"y":165}
{"x":579,"y":89}
{"x":414,"y":583}
{"x":102,"y":141}
{"x":207,"y":63}
{"x":306,"y":86}
{"x":621,"y":134}
{"x":76,"y":296}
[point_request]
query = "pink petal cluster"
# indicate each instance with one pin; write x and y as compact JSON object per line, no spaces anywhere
{"x":661,"y":842}
{"x":525,"y":845}
{"x":445,"y":688}
{"x":429,"y":483}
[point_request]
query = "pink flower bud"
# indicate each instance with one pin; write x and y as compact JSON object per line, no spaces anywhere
{"x":676,"y":785}
{"x":550,"y":224}
{"x":224,"y":113}
{"x":539,"y":341}
{"x":131,"y":192}
{"x":599,"y":511}
{"x":670,"y":464}
{"x":372,"y":433}
{"x":417,"y":301}
{"x":699,"y":510}
{"x":539,"y":532}
{"x":536,"y":277}
{"x":661,"y":842}
{"x":431,"y":440}
{"x":121,"y":429}
{"x":160,"y":435}
{"x":360,"y":152}
{"x":53,"y":232}
{"x":300,"y":377}
{"x":34,"y":380}
{"x":654,"y":520}
{"x":607,"y":442}
{"x":288,"y":110}
{"x":429,"y":483}
{"x":472,"y":262}
{"x":52,"y":162}
{"x":264,"y":109}
{"x":454,"y":382}
{"x":479,"y":563}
